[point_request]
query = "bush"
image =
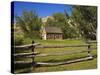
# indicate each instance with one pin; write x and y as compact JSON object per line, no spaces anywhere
{"x":18,"y":40}
{"x":33,"y":35}
{"x":27,"y":41}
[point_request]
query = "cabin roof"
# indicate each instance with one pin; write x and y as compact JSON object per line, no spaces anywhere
{"x":51,"y":29}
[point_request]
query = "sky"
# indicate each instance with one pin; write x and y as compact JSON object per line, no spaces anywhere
{"x":42,"y":9}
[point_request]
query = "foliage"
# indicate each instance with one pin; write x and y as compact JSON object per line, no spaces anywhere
{"x":61,"y":20}
{"x":18,"y":40}
{"x":29,"y":23}
{"x":86,"y":19}
{"x":82,"y":23}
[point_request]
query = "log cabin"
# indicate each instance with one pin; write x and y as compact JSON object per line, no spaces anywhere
{"x":50,"y":32}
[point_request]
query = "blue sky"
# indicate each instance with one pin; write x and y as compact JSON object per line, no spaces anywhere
{"x":42,"y":9}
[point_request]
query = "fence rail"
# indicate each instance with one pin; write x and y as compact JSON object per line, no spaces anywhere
{"x":66,"y":62}
{"x":85,"y":45}
{"x":33,"y":54}
{"x":28,"y":55}
{"x":24,"y":47}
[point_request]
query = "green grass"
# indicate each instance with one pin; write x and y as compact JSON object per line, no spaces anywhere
{"x":54,"y":42}
{"x":59,"y":42}
{"x":91,"y":64}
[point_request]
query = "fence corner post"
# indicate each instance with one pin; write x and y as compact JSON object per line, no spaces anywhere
{"x":89,"y":51}
{"x":33,"y":47}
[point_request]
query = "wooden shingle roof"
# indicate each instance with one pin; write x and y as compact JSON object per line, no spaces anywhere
{"x":52,"y":29}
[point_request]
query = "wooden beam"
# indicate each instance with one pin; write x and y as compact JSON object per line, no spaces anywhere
{"x":59,"y":63}
{"x":35,"y":54}
{"x":85,"y":45}
{"x":25,"y":54}
{"x":22,"y":62}
{"x":24,"y":47}
{"x":91,"y":42}
{"x":58,"y":54}
{"x":66,"y":62}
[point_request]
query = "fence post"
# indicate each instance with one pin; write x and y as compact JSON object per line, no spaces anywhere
{"x":33,"y":47}
{"x":89,"y":51}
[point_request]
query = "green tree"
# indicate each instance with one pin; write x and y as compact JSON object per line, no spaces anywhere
{"x":29,"y":23}
{"x":86,"y":19}
{"x":50,"y":22}
{"x":61,"y":20}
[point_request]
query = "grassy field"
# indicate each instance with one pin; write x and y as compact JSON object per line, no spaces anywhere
{"x":90,"y":64}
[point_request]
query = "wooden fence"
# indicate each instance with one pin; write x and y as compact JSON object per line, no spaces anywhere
{"x":33,"y":54}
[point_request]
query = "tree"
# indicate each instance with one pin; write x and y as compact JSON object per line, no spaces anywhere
{"x":86,"y":19}
{"x":29,"y":23}
{"x":50,"y":22}
{"x":61,"y":20}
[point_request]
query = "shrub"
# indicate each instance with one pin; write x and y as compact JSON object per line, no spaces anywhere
{"x":18,"y":40}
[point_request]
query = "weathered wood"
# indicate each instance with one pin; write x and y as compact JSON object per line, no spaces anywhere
{"x":22,"y":62}
{"x":25,"y":54}
{"x":24,"y":47}
{"x":33,"y":49}
{"x":35,"y":54}
{"x":85,"y":45}
{"x":89,"y":50}
{"x":57,"y":54}
{"x":91,"y":42}
{"x":24,"y":70}
{"x":66,"y":62}
{"x":22,"y":54}
{"x":59,"y":63}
